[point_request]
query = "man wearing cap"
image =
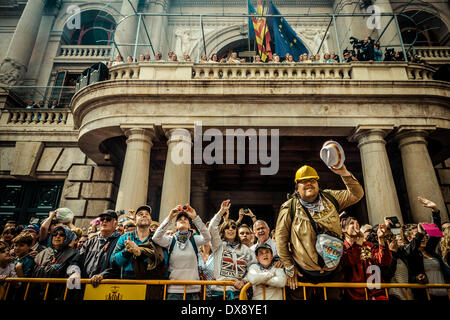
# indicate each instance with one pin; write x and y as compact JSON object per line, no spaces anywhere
{"x":127,"y":247}
{"x":265,"y":274}
{"x":296,"y":237}
{"x":93,"y":261}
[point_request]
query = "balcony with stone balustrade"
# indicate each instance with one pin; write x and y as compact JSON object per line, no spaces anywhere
{"x":299,"y":99}
{"x":296,"y":98}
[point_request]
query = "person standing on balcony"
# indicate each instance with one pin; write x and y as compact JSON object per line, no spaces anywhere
{"x":231,"y":258}
{"x":182,"y":249}
{"x":296,"y":236}
{"x":31,"y":105}
{"x":53,"y":105}
{"x":93,"y":261}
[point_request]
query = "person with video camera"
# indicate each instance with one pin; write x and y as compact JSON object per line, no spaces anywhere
{"x":424,"y":264}
{"x":367,"y":50}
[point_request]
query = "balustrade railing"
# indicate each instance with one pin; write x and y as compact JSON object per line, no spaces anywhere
{"x":35,"y":116}
{"x":434,"y":54}
{"x":272,"y":71}
{"x":84,"y":52}
{"x":297,"y":71}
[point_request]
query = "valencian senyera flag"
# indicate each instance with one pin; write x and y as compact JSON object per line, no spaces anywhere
{"x":285,"y":38}
{"x":261,"y":31}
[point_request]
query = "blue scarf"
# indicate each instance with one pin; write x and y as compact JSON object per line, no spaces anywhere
{"x":182,"y":236}
{"x":316,"y":206}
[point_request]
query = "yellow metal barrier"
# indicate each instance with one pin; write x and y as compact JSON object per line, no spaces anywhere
{"x":353,"y":285}
{"x":165,"y":283}
{"x":204,"y":283}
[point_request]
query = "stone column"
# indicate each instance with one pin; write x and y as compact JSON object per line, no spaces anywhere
{"x":159,"y":26}
{"x":177,"y":173}
{"x":418,"y":169}
{"x":133,"y":189}
{"x":379,"y":187}
{"x":15,"y":63}
{"x":126,"y":30}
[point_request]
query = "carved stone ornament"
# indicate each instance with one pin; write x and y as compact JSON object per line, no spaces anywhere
{"x":312,"y":36}
{"x":11,"y":72}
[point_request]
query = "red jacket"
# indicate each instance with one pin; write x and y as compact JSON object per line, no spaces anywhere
{"x":356,"y":259}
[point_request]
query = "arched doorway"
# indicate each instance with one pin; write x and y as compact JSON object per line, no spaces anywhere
{"x":422,"y":28}
{"x":96,"y":28}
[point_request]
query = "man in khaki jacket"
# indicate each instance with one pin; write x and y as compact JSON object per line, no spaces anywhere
{"x":296,"y":238}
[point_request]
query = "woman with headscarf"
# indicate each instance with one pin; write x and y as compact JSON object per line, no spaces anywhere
{"x":231,"y":258}
{"x":53,"y":261}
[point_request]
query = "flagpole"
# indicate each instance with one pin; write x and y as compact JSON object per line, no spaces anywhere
{"x":248,"y":26}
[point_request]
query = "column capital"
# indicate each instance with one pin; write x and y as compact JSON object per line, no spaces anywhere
{"x":135,"y":133}
{"x":405,"y":135}
{"x":178,"y":133}
{"x":365,"y":134}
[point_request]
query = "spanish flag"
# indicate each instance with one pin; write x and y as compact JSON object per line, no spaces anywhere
{"x":262,"y":33}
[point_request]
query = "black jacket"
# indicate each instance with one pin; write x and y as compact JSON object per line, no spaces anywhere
{"x":414,"y":258}
{"x":94,"y":257}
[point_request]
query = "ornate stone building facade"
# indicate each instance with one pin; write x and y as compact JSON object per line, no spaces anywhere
{"x":111,"y":144}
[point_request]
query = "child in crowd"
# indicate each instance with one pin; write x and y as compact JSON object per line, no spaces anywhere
{"x":7,"y":268}
{"x":22,"y":248}
{"x":268,"y":281}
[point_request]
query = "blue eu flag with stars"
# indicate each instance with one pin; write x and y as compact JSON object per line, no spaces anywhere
{"x":285,"y":38}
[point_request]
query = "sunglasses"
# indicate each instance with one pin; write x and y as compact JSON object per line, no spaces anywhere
{"x":231,"y":227}
{"x":107,"y":219}
{"x":59,"y":234}
{"x":129,"y":226}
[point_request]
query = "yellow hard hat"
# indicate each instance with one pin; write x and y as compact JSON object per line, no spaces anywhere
{"x":306,"y":172}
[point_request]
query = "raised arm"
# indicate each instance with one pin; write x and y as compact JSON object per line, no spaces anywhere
{"x":160,"y":236}
{"x":45,"y":226}
{"x":213,"y":229}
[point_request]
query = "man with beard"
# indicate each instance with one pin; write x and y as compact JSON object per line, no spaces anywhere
{"x":296,"y":236}
{"x":128,"y":244}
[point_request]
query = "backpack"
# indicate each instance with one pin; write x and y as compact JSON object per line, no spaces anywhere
{"x":168,"y":252}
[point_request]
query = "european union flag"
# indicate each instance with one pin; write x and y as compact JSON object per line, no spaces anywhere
{"x":251,"y":10}
{"x":286,"y":40}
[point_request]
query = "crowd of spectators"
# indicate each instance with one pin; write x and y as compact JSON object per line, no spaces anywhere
{"x":363,"y":50}
{"x":119,"y":245}
{"x":31,"y":104}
